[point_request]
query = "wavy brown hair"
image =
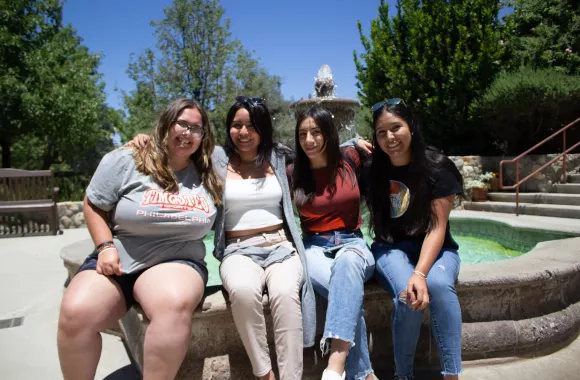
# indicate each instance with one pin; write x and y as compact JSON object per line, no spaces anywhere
{"x":153,"y":160}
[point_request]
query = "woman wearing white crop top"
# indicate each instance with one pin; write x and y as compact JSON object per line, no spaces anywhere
{"x":258,"y":253}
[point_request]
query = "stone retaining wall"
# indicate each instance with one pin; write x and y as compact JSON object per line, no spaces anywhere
{"x":472,"y":166}
{"x":70,"y":215}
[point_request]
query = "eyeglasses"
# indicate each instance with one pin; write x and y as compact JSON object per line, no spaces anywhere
{"x":250,"y":101}
{"x":196,"y":131}
{"x":389,"y":102}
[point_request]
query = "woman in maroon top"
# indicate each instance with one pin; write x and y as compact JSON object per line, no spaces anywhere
{"x":326,"y":193}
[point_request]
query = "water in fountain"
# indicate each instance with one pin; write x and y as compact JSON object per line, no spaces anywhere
{"x":343,"y":110}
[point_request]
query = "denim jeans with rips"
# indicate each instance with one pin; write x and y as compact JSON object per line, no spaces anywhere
{"x":395,"y":264}
{"x":339,"y":275}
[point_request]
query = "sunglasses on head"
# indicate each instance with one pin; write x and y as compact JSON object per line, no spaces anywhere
{"x":389,"y":102}
{"x":250,"y":101}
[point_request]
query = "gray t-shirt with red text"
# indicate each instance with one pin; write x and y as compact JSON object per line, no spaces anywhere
{"x":151,"y":225}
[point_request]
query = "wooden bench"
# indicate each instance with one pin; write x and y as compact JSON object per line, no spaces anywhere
{"x":29,"y":191}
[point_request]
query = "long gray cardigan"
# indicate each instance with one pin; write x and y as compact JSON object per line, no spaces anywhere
{"x":278,"y":163}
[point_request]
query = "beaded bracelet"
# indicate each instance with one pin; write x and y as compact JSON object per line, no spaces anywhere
{"x":420,"y":274}
{"x":107,"y":244}
{"x":104,"y":250}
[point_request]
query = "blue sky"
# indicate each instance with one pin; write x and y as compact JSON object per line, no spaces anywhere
{"x":291,"y":38}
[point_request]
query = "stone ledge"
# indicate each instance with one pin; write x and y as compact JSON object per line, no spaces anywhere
{"x":506,"y":338}
{"x":526,"y":222}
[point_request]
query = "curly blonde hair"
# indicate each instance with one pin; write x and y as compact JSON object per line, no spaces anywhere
{"x":153,"y":160}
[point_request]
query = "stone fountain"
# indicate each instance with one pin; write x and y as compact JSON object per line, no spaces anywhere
{"x":343,"y":110}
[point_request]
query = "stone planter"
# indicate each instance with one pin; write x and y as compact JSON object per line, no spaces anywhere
{"x":479,"y":194}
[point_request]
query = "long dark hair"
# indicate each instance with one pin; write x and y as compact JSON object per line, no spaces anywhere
{"x":426,"y":161}
{"x":303,"y":187}
{"x":262,"y":123}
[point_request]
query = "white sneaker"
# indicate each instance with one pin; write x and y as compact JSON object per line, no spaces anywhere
{"x":331,"y":375}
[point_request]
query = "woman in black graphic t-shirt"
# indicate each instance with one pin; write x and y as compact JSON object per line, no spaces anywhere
{"x":412,"y":192}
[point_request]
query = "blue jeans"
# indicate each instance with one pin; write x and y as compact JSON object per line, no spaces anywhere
{"x":339,"y":276}
{"x":395,"y":265}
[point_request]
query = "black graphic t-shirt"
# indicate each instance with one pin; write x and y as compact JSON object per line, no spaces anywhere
{"x":444,"y":184}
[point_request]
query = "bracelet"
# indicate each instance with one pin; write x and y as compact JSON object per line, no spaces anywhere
{"x":106,"y":244}
{"x":106,"y":249}
{"x":420,"y":274}
{"x":103,"y":243}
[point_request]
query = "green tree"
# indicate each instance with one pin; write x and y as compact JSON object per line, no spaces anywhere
{"x":438,"y":56}
{"x":196,"y":57}
{"x":195,"y":41}
{"x":193,"y":49}
{"x":543,"y":34}
{"x":142,"y":103}
{"x":49,"y":85}
{"x":244,"y":76}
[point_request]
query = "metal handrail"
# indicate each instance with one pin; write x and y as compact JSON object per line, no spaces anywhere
{"x":516,"y":160}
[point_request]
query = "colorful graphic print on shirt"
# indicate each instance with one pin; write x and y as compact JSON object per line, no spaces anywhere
{"x":400,"y":198}
{"x":187,"y":202}
{"x":180,"y":207}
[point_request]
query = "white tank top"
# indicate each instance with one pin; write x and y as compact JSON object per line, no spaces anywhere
{"x":253,"y":203}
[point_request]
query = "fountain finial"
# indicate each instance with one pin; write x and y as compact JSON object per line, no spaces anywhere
{"x":324,"y":86}
{"x":343,"y":110}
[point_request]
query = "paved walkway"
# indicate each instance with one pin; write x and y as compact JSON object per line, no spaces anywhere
{"x":31,"y":286}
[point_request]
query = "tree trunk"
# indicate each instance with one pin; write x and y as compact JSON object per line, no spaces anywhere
{"x":49,"y":155}
{"x":6,"y":143}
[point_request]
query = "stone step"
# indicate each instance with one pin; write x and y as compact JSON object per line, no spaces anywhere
{"x":537,"y":198}
{"x":555,"y":210}
{"x":568,"y":188}
{"x":574,"y":178}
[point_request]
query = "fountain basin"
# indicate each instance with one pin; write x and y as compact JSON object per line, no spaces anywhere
{"x":523,"y":305}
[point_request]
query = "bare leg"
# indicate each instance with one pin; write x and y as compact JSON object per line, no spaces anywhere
{"x":91,"y":304}
{"x":338,"y":353}
{"x":268,"y":376}
{"x":168,"y":294}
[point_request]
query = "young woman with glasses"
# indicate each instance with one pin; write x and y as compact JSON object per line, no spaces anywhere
{"x":327,"y":195}
{"x":410,"y":197}
{"x":161,"y":202}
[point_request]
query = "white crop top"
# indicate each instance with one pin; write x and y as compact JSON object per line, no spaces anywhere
{"x":253,"y":203}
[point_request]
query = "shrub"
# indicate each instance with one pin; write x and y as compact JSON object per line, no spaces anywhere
{"x":72,"y":185}
{"x":524,"y":107}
